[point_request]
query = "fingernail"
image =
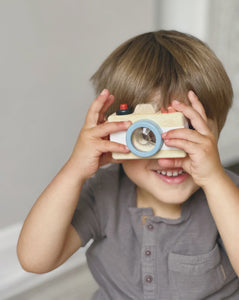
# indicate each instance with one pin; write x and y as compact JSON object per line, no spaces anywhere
{"x":127,"y":124}
{"x":104,"y":92}
{"x":164,"y":135}
{"x":171,"y":109}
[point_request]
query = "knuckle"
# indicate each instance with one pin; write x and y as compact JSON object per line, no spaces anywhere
{"x":107,"y":127}
{"x":116,"y":147}
{"x":105,"y":145}
{"x":114,"y":126}
{"x":209,"y":144}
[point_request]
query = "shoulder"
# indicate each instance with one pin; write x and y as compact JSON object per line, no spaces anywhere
{"x":106,"y":183}
{"x":107,"y":176}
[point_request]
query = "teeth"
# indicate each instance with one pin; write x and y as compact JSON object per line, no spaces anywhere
{"x":170,"y":173}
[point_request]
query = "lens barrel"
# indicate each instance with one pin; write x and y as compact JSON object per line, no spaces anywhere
{"x":143,"y":138}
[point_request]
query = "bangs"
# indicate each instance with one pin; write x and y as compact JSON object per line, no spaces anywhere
{"x":162,"y":66}
{"x":136,"y":71}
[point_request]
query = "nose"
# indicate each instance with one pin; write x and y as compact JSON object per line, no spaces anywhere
{"x":170,"y":163}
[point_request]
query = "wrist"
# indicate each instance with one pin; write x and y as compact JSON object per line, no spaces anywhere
{"x":215,"y":181}
{"x":74,"y":173}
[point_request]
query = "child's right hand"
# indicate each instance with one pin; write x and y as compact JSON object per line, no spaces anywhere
{"x":93,"y":147}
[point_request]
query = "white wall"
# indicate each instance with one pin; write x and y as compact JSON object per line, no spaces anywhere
{"x":190,"y":16}
{"x":48,"y":51}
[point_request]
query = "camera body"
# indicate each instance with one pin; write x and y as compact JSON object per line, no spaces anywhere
{"x":143,"y":137}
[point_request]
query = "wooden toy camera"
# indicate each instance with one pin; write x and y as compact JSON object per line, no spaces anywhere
{"x":143,"y":137}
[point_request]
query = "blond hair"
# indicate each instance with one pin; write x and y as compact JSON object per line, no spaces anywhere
{"x":162,"y":66}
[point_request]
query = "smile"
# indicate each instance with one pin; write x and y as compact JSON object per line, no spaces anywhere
{"x":175,"y":176}
{"x":170,"y":173}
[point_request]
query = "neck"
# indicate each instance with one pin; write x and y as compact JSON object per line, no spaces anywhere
{"x":161,"y":209}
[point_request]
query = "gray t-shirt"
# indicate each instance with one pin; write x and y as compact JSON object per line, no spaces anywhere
{"x":136,"y":255}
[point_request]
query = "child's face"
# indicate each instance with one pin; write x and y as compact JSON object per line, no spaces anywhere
{"x":145,"y":173}
{"x":159,"y":185}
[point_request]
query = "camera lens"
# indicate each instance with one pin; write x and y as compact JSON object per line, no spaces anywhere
{"x":143,"y":139}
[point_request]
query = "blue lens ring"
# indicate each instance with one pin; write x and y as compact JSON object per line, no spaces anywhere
{"x":154,"y":127}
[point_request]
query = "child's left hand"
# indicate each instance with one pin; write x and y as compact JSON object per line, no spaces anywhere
{"x":202,"y":161}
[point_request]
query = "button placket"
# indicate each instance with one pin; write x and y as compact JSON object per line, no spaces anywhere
{"x":148,"y":278}
{"x":148,"y":261}
{"x":150,"y":227}
{"x":147,"y":252}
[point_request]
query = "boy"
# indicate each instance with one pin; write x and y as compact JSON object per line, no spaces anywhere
{"x":162,"y":229}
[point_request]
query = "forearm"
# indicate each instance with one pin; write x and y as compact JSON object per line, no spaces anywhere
{"x":45,"y":228}
{"x":47,"y":238}
{"x":223,"y":200}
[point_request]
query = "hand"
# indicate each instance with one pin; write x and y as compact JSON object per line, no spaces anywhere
{"x":202,"y":161}
{"x":93,"y":148}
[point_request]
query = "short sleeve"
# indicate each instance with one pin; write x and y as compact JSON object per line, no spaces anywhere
{"x":85,"y":218}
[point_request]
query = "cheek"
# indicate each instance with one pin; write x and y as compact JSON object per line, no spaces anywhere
{"x":133,"y":168}
{"x":127,"y":168}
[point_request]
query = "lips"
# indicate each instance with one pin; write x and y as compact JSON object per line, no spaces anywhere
{"x":172,"y":176}
{"x":170,"y":173}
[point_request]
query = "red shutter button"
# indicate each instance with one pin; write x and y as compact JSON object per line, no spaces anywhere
{"x":123,"y":106}
{"x":124,"y":110}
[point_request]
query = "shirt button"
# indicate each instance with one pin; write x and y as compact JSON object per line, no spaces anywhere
{"x":147,"y":253}
{"x":148,"y":278}
{"x":150,"y":227}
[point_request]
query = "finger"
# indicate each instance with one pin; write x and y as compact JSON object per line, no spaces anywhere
{"x":189,"y":147}
{"x":184,"y":134}
{"x":163,"y":110}
{"x":107,"y":128}
{"x":171,"y":109}
{"x":107,"y":104}
{"x":107,"y":158}
{"x":97,"y":105}
{"x":195,"y":118}
{"x":107,"y":146}
{"x":196,"y":104}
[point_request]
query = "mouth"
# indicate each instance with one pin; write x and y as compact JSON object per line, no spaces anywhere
{"x":170,"y":173}
{"x":172,"y":176}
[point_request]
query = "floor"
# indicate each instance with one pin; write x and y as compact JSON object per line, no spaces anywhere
{"x":70,"y":286}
